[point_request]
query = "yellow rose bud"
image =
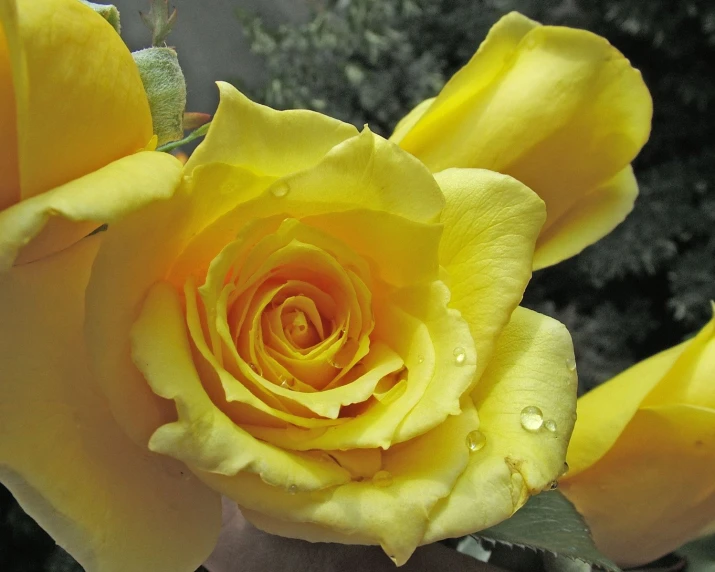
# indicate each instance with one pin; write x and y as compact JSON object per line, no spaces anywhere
{"x":73,"y":113}
{"x":642,"y":456}
{"x":559,"y":109}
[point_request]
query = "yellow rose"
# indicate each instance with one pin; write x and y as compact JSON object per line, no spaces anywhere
{"x":642,"y":456}
{"x":559,"y":109}
{"x":313,"y":326}
{"x":73,"y":113}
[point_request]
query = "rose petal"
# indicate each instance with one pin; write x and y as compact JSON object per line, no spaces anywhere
{"x":528,"y":368}
{"x":61,"y":453}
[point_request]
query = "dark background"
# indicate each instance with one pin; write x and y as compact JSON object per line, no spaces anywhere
{"x":640,"y":290}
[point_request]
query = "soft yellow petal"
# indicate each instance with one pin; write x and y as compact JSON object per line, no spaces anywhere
{"x":114,"y":506}
{"x":491,"y":222}
{"x":421,"y":472}
{"x":269,"y":142}
{"x":484,"y":67}
{"x":690,"y":381}
{"x":604,"y":412}
{"x":679,"y":375}
{"x":529,"y":368}
{"x":52,"y":221}
{"x":653,"y":491}
{"x":9,"y":166}
{"x":408,"y":121}
{"x":84,"y":104}
{"x":559,"y":109}
{"x":588,"y":220}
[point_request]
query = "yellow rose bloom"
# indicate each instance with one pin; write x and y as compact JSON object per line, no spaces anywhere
{"x":73,"y":114}
{"x":313,"y":326}
{"x":559,"y":109}
{"x":642,"y":456}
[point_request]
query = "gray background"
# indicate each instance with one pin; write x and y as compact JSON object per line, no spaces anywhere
{"x":209,"y":40}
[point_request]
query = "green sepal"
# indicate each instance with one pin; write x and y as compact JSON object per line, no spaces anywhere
{"x":165,"y":89}
{"x":107,"y":11}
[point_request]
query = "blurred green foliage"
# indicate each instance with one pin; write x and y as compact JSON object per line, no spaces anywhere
{"x":643,"y":288}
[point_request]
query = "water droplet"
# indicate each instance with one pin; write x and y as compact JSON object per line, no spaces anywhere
{"x":460,"y":355}
{"x":420,"y":358}
{"x":292,"y":490}
{"x":532,"y":418}
{"x":571,"y":364}
{"x":382,"y":479}
{"x":476,"y":441}
{"x":280,"y":189}
{"x":550,"y":425}
{"x":564,"y":469}
{"x":553,"y":485}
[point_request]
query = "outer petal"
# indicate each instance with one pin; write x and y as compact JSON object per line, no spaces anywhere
{"x":654,"y":490}
{"x":9,"y":167}
{"x":529,"y":367}
{"x":394,"y":515}
{"x":690,"y":381}
{"x":559,"y":109}
{"x":269,"y":142}
{"x":48,"y":223}
{"x":80,"y":100}
{"x":679,"y":375}
{"x":588,"y":220}
{"x":112,"y":505}
{"x":605,"y":412}
{"x":491,"y":222}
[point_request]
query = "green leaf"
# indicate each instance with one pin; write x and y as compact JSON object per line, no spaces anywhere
{"x":548,"y":522}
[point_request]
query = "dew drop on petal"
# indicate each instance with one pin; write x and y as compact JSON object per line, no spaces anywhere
{"x":420,"y":358}
{"x":292,"y":490}
{"x":564,"y":469}
{"x":280,"y":189}
{"x":382,"y":479}
{"x":532,"y":418}
{"x":571,"y":364}
{"x":460,"y":355}
{"x":476,"y":441}
{"x":550,"y":425}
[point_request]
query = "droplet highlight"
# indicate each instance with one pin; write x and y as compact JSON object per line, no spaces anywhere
{"x":571,"y":364}
{"x":532,"y":418}
{"x":420,"y":358}
{"x":382,"y":479}
{"x":476,"y":441}
{"x":292,"y":489}
{"x":280,"y":189}
{"x":460,"y":355}
{"x":550,"y":425}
